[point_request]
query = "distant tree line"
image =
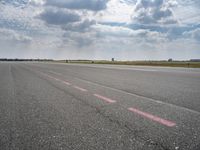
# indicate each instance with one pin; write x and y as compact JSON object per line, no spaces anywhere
{"x":17,"y":59}
{"x":195,"y":60}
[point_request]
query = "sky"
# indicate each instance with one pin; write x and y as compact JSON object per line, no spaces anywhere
{"x":100,"y":29}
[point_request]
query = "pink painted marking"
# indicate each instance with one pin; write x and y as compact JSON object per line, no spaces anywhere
{"x":79,"y":88}
{"x":152,"y":117}
{"x":56,"y":79}
{"x":65,"y":82}
{"x":104,"y":98}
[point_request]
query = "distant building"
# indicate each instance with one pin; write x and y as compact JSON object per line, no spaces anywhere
{"x":170,"y":60}
{"x":195,"y":60}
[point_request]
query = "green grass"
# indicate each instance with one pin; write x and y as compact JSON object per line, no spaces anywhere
{"x":185,"y":64}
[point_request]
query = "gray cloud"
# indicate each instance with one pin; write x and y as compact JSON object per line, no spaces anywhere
{"x":154,"y":12}
{"x":194,"y":34}
{"x":59,"y":16}
{"x":17,"y":3}
{"x":14,"y":37}
{"x":94,"y":5}
{"x":190,"y":2}
{"x":82,"y":26}
{"x":79,"y":39}
{"x":70,"y":29}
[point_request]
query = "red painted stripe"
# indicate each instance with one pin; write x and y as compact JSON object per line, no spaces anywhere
{"x":56,"y":79}
{"x":65,"y":82}
{"x":152,"y":117}
{"x":80,"y":88}
{"x":50,"y":76}
{"x":53,"y":77}
{"x":104,"y":98}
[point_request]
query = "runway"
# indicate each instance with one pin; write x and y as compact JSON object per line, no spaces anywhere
{"x":88,"y":106}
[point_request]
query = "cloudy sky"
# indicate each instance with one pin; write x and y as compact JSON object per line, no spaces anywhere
{"x":100,"y":29}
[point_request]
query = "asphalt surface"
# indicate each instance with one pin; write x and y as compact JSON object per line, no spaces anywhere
{"x":104,"y":107}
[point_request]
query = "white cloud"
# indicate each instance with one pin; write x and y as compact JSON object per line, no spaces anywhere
{"x":117,"y":11}
{"x":81,"y":26}
{"x":13,"y":36}
{"x":154,"y":12}
{"x":193,"y":34}
{"x":37,"y":2}
{"x":125,"y":29}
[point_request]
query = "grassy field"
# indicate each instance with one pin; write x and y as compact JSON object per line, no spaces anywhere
{"x":186,"y":64}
